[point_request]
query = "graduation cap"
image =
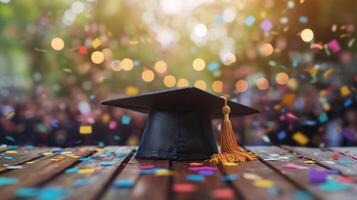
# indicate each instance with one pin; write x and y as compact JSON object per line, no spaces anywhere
{"x":179,"y":125}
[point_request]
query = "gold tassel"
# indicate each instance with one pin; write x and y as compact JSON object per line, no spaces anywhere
{"x":230,"y":151}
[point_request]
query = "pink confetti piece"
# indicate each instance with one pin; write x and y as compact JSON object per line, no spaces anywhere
{"x":334,"y":46}
{"x":202,"y":168}
{"x":223,"y":193}
{"x":146,"y":166}
{"x":183,"y":187}
{"x":294,"y":166}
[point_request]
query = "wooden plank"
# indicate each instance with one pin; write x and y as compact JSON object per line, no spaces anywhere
{"x":37,"y":174}
{"x":344,"y":164}
{"x":22,"y":155}
{"x":148,"y":186}
{"x":299,"y":177}
{"x":105,"y":164}
{"x":247,"y":188}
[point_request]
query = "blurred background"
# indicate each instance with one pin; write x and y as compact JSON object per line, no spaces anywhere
{"x":294,"y":60}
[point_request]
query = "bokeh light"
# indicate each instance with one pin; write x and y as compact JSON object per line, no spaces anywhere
{"x":266,"y":49}
{"x":198,"y":64}
{"x":148,"y":75}
{"x":282,"y":78}
{"x":169,"y":81}
{"x":262,"y":83}
{"x":182,"y":82}
{"x":217,"y":86}
{"x":241,"y":86}
{"x":127,"y":64}
{"x":97,"y":57}
{"x":57,"y":43}
{"x":201,"y":84}
{"x":160,"y":66}
{"x":307,"y":35}
{"x":200,"y":30}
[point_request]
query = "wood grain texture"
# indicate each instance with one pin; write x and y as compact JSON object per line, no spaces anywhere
{"x":299,"y":176}
{"x":37,"y":174}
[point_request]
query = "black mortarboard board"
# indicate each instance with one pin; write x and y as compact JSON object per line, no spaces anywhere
{"x":179,"y":124}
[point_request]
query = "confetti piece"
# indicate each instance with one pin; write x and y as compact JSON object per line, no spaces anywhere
{"x":125,"y":119}
{"x":300,"y":138}
{"x":230,"y":164}
{"x":11,"y":152}
{"x":302,"y":195}
{"x":251,"y":176}
{"x":223,"y":193}
{"x":249,"y":21}
{"x":334,"y":46}
{"x":336,"y":156}
{"x":206,"y":173}
{"x":87,"y":159}
{"x":14,"y":167}
{"x":8,"y":157}
{"x":81,"y":182}
{"x":163,"y":172}
{"x":345,"y":91}
{"x":309,"y":162}
{"x":231,"y":177}
{"x":124,"y":183}
{"x":85,"y":130}
{"x":323,"y":118}
{"x":203,"y":168}
{"x":317,"y":176}
{"x":86,"y":171}
{"x":195,"y":164}
{"x":82,"y":50}
{"x":345,"y":161}
{"x":266,"y":25}
{"x":26,"y":192}
{"x":146,"y":166}
{"x":106,"y":164}
{"x":263,"y":183}
{"x":8,"y":181}
{"x":195,"y":178}
{"x":294,"y":166}
{"x":47,"y":153}
{"x":57,"y":159}
{"x":31,"y":162}
{"x":96,"y":43}
{"x":344,"y":179}
{"x":333,"y":186}
{"x":72,"y":170}
{"x":183,"y":187}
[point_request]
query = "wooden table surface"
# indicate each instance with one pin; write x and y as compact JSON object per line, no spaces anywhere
{"x":113,"y":173}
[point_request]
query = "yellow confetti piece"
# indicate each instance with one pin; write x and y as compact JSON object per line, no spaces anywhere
{"x":229,"y":164}
{"x":96,"y":43}
{"x":328,"y":72}
{"x":87,"y":171}
{"x":66,"y":152}
{"x":309,"y":162}
{"x":163,"y":172}
{"x":263,"y":183}
{"x":47,"y":153}
{"x":57,"y":159}
{"x":85,"y":130}
{"x":31,"y":162}
{"x":11,"y":152}
{"x":300,"y":138}
{"x":73,"y":156}
{"x":345,"y":91}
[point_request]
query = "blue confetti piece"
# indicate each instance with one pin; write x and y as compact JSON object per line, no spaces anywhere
{"x":333,"y":186}
{"x":81,"y":182}
{"x":231,"y":177}
{"x":117,"y":137}
{"x":249,"y":21}
{"x":12,"y":147}
{"x":26,"y":192}
{"x":10,"y":138}
{"x":345,"y":162}
{"x":53,"y":193}
{"x":124,"y":184}
{"x":87,"y":159}
{"x":347,"y":102}
{"x":125,"y":119}
{"x":323,"y":118}
{"x":206,"y":172}
{"x":106,"y":164}
{"x":302,"y":195}
{"x":195,"y":178}
{"x":310,"y":122}
{"x":8,"y":157}
{"x":8,"y":181}
{"x":72,"y":170}
{"x":281,"y":135}
{"x":146,"y":171}
{"x":101,"y":144}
